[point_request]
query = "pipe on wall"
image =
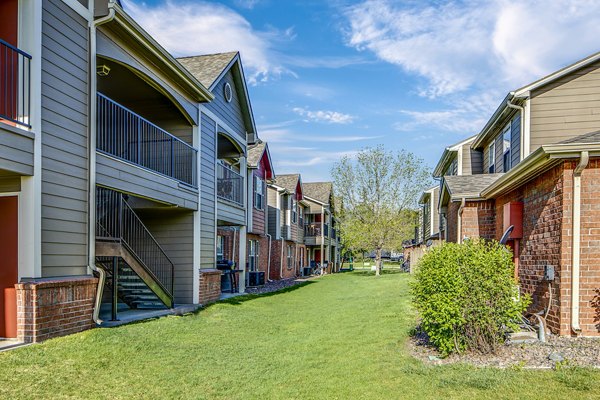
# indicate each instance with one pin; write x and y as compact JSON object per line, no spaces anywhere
{"x":576,"y":247}
{"x":269,"y":259}
{"x":459,"y":232}
{"x":521,"y":134}
{"x":92,"y":164}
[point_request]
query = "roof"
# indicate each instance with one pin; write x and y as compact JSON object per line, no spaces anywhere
{"x":427,"y":193}
{"x":468,"y":186}
{"x":438,"y":170}
{"x":288,"y":182}
{"x":208,"y":68}
{"x":592,"y":137}
{"x":255,"y":153}
{"x":320,"y":191}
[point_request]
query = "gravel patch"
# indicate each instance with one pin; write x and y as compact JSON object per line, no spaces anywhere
{"x":274,"y":286}
{"x":557,"y":351}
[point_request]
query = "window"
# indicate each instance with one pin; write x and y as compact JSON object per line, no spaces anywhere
{"x":506,"y":138}
{"x":294,"y":211}
{"x":220,"y":242}
{"x":492,"y":157}
{"x":253,"y":250}
{"x":259,"y":193}
{"x":301,"y":216}
{"x":290,"y":257}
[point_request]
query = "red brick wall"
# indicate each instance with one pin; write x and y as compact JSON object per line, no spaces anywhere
{"x":210,"y":286}
{"x":277,"y":257}
{"x":49,"y":308}
{"x":479,"y":219}
{"x":452,"y":219}
{"x":230,"y":236}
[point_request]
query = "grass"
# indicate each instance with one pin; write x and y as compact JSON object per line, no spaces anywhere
{"x":341,"y":337}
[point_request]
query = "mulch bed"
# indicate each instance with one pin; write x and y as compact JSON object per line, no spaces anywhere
{"x":565,"y":351}
{"x":273,"y":286}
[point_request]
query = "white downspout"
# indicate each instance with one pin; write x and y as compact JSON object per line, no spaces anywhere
{"x":459,"y":232}
{"x":92,"y":165}
{"x":576,"y":248}
{"x":522,"y":130}
{"x":269,"y":259}
{"x":281,"y":260}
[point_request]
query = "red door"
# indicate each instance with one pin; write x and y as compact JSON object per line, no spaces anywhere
{"x":318,"y":256}
{"x":9,"y":231}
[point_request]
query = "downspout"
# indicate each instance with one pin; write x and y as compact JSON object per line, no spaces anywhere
{"x":281,"y":260}
{"x":269,"y":260}
{"x":576,"y":247}
{"x":522,"y":133}
{"x":459,"y":221}
{"x":92,"y":165}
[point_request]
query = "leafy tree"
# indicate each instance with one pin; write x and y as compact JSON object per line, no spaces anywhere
{"x":377,"y":193}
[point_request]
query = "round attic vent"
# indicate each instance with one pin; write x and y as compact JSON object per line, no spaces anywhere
{"x":228,"y":92}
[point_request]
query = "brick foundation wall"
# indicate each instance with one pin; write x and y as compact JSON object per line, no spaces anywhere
{"x":452,"y":219}
{"x":53,"y":307}
{"x":210,"y":286}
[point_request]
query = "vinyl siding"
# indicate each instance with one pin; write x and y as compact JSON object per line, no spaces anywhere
{"x":129,"y":178}
{"x":466,"y":160}
{"x":273,"y":220}
{"x":230,"y":213}
{"x":175,"y":234}
{"x":435,"y":200}
{"x":476,"y":161}
{"x":64,"y":140}
{"x":230,"y":113}
{"x":566,"y":108}
{"x":16,"y":150}
{"x":515,"y":141}
{"x":207,"y":192}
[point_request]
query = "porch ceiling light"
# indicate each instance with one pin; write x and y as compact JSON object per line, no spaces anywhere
{"x":103,"y":70}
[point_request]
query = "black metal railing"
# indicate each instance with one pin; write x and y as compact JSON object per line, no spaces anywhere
{"x":15,"y":85}
{"x":333,"y":233}
{"x":230,"y":185}
{"x":313,"y":229}
{"x":116,"y":221}
{"x":126,"y":135}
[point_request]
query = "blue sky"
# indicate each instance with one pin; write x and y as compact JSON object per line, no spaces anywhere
{"x":328,"y":78}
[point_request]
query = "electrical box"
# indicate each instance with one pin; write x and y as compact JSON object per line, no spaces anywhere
{"x":513,"y":215}
{"x":549,"y":273}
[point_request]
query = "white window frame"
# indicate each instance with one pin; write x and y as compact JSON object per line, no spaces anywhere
{"x":220,"y":247}
{"x":253,"y":255}
{"x":507,"y":131}
{"x":294,"y":211}
{"x":492,"y":157}
{"x":259,"y":193}
{"x":290,"y":257}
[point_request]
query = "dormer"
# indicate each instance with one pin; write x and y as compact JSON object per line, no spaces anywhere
{"x":459,"y":159}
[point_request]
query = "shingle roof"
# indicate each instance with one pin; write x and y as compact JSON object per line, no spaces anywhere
{"x":592,"y":137}
{"x":469,"y":186}
{"x":288,"y":181}
{"x":320,"y":191}
{"x":255,"y":153}
{"x":207,"y":68}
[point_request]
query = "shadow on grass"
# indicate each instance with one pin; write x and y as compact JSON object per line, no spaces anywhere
{"x":237,"y":300}
{"x":383,"y":272}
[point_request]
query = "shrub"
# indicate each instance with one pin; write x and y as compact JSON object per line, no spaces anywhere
{"x":467,"y":297}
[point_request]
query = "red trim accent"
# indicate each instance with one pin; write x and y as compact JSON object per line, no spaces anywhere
{"x":9,"y":248}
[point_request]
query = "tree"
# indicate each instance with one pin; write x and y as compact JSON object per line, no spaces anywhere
{"x":377,"y":192}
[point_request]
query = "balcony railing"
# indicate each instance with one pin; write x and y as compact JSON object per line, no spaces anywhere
{"x":126,"y":135}
{"x":15,"y":85}
{"x":315,"y":229}
{"x":230,"y":185}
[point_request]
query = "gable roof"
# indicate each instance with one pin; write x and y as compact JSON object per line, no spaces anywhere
{"x":320,"y":191}
{"x":467,"y":186}
{"x":211,"y":68}
{"x":592,"y":137}
{"x":256,"y":152}
{"x":288,"y":181}
{"x":448,"y":152}
{"x":208,"y":68}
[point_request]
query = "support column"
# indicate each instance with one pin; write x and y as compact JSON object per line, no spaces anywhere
{"x":242,"y":258}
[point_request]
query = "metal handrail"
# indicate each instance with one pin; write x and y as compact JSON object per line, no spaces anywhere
{"x":124,"y":134}
{"x":15,"y":85}
{"x":230,"y":185}
{"x":118,"y":220}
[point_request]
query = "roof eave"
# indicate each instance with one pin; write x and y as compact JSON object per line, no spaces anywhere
{"x":130,"y":25}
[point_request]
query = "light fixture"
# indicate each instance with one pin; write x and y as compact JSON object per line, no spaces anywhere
{"x":103,"y":70}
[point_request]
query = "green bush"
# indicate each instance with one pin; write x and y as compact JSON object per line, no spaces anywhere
{"x":467,"y":297}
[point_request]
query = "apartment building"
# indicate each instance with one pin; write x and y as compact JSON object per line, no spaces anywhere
{"x":119,"y":166}
{"x":538,"y":191}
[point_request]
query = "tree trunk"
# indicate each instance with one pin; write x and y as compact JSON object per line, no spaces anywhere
{"x":377,"y":262}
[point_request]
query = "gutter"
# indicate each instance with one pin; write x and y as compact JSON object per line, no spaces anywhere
{"x":576,"y":247}
{"x":92,"y":165}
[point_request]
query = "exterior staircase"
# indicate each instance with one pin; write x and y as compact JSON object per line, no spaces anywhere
{"x":138,"y":271}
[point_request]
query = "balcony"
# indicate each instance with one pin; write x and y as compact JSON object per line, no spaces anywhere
{"x":315,"y":229}
{"x":230,"y":185}
{"x":15,"y":85}
{"x":124,"y":134}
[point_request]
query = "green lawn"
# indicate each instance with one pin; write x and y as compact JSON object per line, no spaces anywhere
{"x":341,"y":337}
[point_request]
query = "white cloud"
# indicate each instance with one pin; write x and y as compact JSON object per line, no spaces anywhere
{"x":331,"y":117}
{"x":249,"y":4}
{"x":460,"y":45}
{"x":192,"y":27}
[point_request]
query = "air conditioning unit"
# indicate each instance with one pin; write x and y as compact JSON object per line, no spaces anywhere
{"x":256,"y":278}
